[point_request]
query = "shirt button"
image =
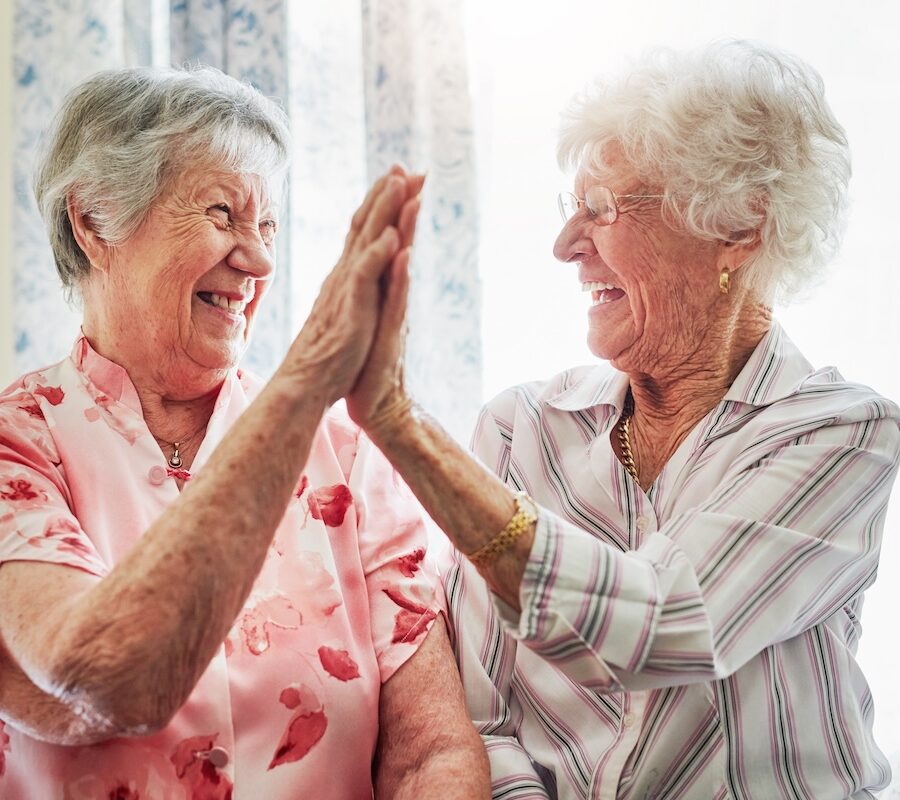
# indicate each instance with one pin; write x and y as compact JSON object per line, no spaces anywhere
{"x":628,"y":720}
{"x":642,"y":523}
{"x":157,"y":475}
{"x":218,"y":757}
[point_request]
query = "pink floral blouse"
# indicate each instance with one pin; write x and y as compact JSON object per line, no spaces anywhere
{"x":288,"y":707}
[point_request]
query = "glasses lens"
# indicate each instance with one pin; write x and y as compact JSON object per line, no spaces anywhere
{"x":602,"y":204}
{"x":568,"y":205}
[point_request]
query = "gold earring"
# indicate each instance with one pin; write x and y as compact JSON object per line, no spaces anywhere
{"x":724,"y":280}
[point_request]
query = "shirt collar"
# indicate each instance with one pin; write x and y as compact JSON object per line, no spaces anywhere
{"x":107,"y":376}
{"x":113,"y":381}
{"x":599,"y":385}
{"x":774,"y":370}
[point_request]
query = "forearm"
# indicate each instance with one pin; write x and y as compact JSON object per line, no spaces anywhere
{"x":131,"y":649}
{"x":38,"y":714}
{"x":469,"y":503}
{"x":428,"y":748}
{"x":457,"y":773}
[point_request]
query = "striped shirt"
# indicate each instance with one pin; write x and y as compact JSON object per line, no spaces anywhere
{"x":697,"y":640}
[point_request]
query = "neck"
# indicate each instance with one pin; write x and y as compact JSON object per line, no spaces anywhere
{"x":171,"y":416}
{"x":670,"y":399}
{"x":175,"y":420}
{"x":695,"y":382}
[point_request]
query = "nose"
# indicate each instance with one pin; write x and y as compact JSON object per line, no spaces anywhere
{"x":251,"y":255}
{"x":573,"y":242}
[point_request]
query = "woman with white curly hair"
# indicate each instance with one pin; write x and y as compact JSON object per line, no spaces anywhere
{"x":658,"y":583}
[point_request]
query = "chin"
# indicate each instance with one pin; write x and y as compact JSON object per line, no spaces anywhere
{"x":222,"y":356}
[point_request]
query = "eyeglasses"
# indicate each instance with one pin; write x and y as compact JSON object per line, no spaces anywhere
{"x":600,"y":202}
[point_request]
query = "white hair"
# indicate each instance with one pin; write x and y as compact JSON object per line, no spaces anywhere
{"x":121,"y":134}
{"x":739,"y":139}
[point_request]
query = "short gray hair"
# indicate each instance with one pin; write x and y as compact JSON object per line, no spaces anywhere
{"x":738,"y":137}
{"x":121,"y":134}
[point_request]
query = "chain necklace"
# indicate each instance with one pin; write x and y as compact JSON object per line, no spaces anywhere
{"x":175,"y":460}
{"x":624,"y":421}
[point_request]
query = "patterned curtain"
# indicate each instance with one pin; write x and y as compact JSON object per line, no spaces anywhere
{"x":365,"y":83}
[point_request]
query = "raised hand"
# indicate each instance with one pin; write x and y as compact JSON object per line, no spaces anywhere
{"x":333,"y":344}
{"x":379,"y":395}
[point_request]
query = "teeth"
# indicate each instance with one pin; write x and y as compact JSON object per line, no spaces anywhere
{"x":596,"y":286}
{"x":234,"y":306}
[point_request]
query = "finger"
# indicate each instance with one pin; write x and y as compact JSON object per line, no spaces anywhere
{"x":414,"y":184}
{"x":377,"y":256}
{"x":406,"y":225}
{"x":387,"y":349}
{"x":359,"y":218}
{"x":385,"y":210}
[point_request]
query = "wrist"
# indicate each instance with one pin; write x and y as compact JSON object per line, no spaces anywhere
{"x":391,"y":421}
{"x":299,"y":397}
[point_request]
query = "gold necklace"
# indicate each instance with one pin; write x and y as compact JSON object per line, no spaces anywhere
{"x":624,"y":421}
{"x":175,"y":460}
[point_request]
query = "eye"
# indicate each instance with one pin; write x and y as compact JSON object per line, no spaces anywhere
{"x":267,"y":229}
{"x":221,"y":211}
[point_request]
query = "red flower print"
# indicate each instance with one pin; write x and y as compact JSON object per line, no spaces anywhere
{"x":186,"y":752}
{"x":412,"y":620}
{"x":20,"y":413}
{"x":409,"y":564}
{"x":303,"y":731}
{"x":301,"y":487}
{"x":53,"y":394}
{"x":69,"y":535}
{"x":179,"y":474}
{"x":21,"y":491}
{"x":129,"y":425}
{"x":338,"y":663}
{"x":306,"y":727}
{"x":75,"y":546}
{"x":313,"y":587}
{"x":330,"y":503}
{"x":197,"y":773}
{"x":33,"y":410}
{"x":256,"y":623}
{"x":4,"y":747}
{"x":300,"y":696}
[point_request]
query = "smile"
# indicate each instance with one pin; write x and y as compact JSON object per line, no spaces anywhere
{"x":234,"y":306}
{"x":602,"y":293}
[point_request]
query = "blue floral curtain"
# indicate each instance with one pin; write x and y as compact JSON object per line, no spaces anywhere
{"x":365,"y":83}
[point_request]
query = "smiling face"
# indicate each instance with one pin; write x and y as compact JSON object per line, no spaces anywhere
{"x":175,"y":303}
{"x":654,"y":290}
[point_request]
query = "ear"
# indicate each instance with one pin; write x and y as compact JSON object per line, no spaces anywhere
{"x":733,"y":255}
{"x":94,"y":247}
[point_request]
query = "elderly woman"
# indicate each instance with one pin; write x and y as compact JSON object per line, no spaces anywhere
{"x":676,"y":611}
{"x":207,"y":589}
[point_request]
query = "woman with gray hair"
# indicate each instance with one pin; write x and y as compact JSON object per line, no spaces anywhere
{"x":211,"y":587}
{"x":659,"y":578}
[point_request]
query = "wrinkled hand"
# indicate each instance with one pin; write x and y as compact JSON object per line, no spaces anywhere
{"x":379,"y":399}
{"x":332,"y":346}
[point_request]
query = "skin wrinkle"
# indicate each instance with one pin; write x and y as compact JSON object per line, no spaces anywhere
{"x":679,"y":339}
{"x":87,"y":642}
{"x":194,"y":567}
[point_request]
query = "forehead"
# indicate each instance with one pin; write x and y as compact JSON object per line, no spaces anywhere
{"x":203,"y":183}
{"x":609,"y":169}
